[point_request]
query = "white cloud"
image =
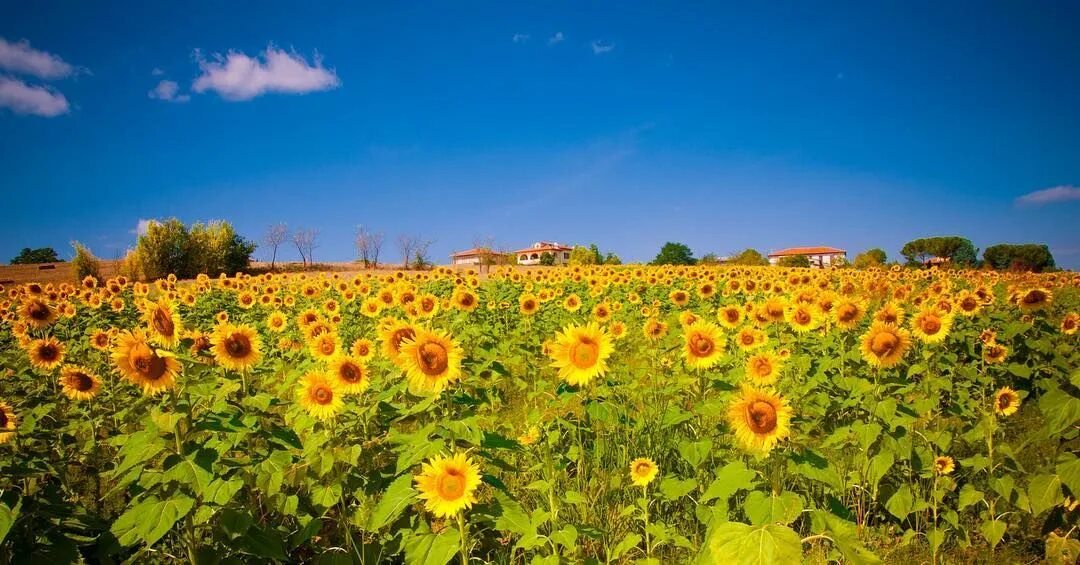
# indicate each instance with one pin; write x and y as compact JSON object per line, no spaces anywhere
{"x":600,"y":47}
{"x":1063,"y":193}
{"x":521,"y":37}
{"x":23,"y":59}
{"x":157,"y":72}
{"x":23,"y":98}
{"x":168,"y":91}
{"x":557,"y":38}
{"x":235,"y":76}
{"x":142,"y":226}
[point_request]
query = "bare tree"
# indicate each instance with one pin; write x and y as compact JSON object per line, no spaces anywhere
{"x":276,"y":234}
{"x":375,"y":242}
{"x":306,"y":241}
{"x":420,"y":257}
{"x":485,"y":246}
{"x":368,"y":245}
{"x":407,"y":246}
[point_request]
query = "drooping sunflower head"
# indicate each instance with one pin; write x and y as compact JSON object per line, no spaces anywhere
{"x":1034,"y":299}
{"x":78,"y":383}
{"x":319,"y":395}
{"x":447,"y":485}
{"x":1006,"y":401}
{"x":431,"y":360}
{"x":350,"y":373}
{"x":760,"y":419}
{"x":8,"y":423}
{"x":580,"y":353}
{"x":943,"y":465}
{"x":930,"y":326}
{"x":163,"y":323}
{"x":236,"y":347}
{"x":152,"y":369}
{"x":703,"y":344}
{"x":642,"y":471}
{"x":46,"y":353}
{"x":884,"y":345}
{"x":763,"y":368}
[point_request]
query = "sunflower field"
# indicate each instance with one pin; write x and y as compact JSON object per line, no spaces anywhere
{"x":563,"y":415}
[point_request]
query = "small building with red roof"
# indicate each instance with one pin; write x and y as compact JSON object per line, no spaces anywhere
{"x":819,"y":256}
{"x":478,"y":256}
{"x":532,"y":255}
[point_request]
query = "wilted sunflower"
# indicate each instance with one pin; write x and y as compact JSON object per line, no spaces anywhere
{"x":763,"y":368}
{"x":78,"y":383}
{"x":703,"y":344}
{"x":1034,"y":299}
{"x":930,"y":326}
{"x":163,"y":322}
{"x":236,"y":347}
{"x":994,"y":353}
{"x":8,"y":422}
{"x":760,"y":419}
{"x":153,"y":370}
{"x":319,"y":395}
{"x":1006,"y":401}
{"x":884,"y":345}
{"x":642,"y":471}
{"x":45,"y":353}
{"x":943,"y":465}
{"x":350,"y":373}
{"x":431,"y":360}
{"x":325,"y":347}
{"x":448,"y":485}
{"x":37,"y":313}
{"x":580,"y":353}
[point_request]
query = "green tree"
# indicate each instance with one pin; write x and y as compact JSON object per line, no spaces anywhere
{"x":211,"y":248}
{"x":85,"y":263}
{"x":40,"y":255}
{"x":596,"y":253}
{"x":581,"y":255}
{"x":709,"y":259}
{"x":674,"y":254}
{"x":958,"y":250}
{"x":612,"y":259}
{"x":750,"y":257}
{"x":870,"y":258}
{"x":547,"y":259}
{"x":1022,"y":257}
{"x":795,"y":261}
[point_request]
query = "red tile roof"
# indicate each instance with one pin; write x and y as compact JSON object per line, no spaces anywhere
{"x":805,"y":251}
{"x":544,"y":246}
{"x":474,"y":251}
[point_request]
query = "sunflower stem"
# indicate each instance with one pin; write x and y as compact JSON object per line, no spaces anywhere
{"x":463,"y":533}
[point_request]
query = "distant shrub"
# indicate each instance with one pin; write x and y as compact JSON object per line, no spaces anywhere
{"x":170,"y":247}
{"x":795,"y":261}
{"x":86,"y":265}
{"x":40,"y":255}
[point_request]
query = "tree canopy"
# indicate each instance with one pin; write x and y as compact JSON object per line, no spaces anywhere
{"x":958,"y":250}
{"x":795,"y":261}
{"x":749,"y":257}
{"x":170,"y":247}
{"x":1022,"y":257}
{"x":674,"y":254}
{"x":870,"y":258}
{"x":40,"y":255}
{"x":581,"y":255}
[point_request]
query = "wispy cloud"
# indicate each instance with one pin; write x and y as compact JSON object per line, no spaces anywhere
{"x":169,"y":91}
{"x":23,"y":98}
{"x":557,"y":38}
{"x":521,"y":37}
{"x":142,"y":226}
{"x":21,"y":58}
{"x":157,"y":72}
{"x":236,"y":77}
{"x":1063,"y":193}
{"x":600,"y":47}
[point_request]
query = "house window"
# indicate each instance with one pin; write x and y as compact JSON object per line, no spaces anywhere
{"x":524,"y":258}
{"x":565,"y":255}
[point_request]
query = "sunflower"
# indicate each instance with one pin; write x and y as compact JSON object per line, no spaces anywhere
{"x":45,"y":353}
{"x":528,"y":304}
{"x":465,"y":300}
{"x":154,"y":370}
{"x":350,"y":373}
{"x":704,"y":344}
{"x":848,"y":313}
{"x":325,"y":347}
{"x":448,"y":485}
{"x":363,"y":349}
{"x":642,"y":471}
{"x":679,"y":298}
{"x":601,"y":312}
{"x":884,"y":345}
{"x":78,"y":383}
{"x":580,"y":353}
{"x":969,"y":304}
{"x":943,"y":464}
{"x":392,"y":335}
{"x":994,"y":353}
{"x":750,"y":338}
{"x":802,"y":317}
{"x":1069,"y":323}
{"x":1006,"y":401}
{"x":890,"y":313}
{"x":236,"y":347}
{"x":319,"y":395}
{"x":572,"y":303}
{"x":37,"y":313}
{"x":930,"y":326}
{"x":8,"y":423}
{"x":100,"y":340}
{"x":1034,"y":299}
{"x":654,"y":329}
{"x":760,"y":419}
{"x":431,"y":360}
{"x":730,"y":316}
{"x":763,"y":368}
{"x":163,"y":323}
{"x":277,"y":322}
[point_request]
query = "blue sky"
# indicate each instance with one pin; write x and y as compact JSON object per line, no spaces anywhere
{"x":724,"y":126}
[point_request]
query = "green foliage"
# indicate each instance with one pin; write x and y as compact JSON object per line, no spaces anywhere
{"x":674,"y":254}
{"x":1022,"y":257}
{"x":795,"y":261}
{"x":709,"y":259}
{"x":547,"y":259}
{"x":870,"y":258}
{"x":749,"y":257}
{"x":958,"y":250}
{"x":40,"y":255}
{"x":598,"y":258}
{"x":612,"y":259}
{"x":86,"y":265}
{"x":170,"y":247}
{"x":581,"y":255}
